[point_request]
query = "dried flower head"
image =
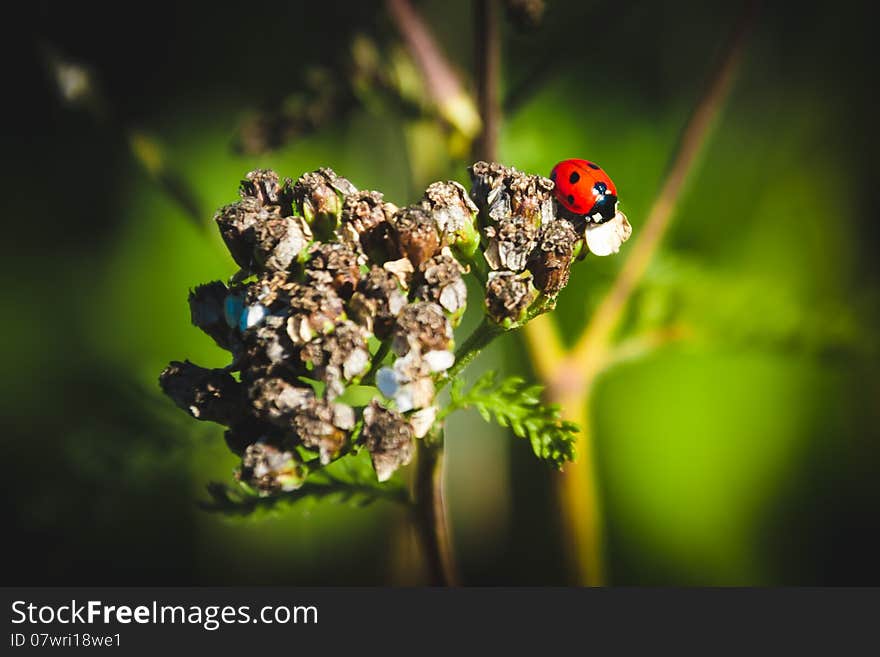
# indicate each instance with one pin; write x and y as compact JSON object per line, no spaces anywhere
{"x":423,"y":326}
{"x":440,"y":280}
{"x":334,"y":264}
{"x":508,"y":297}
{"x":313,"y":310}
{"x":270,"y":470}
{"x":454,"y":213}
{"x":338,"y":286}
{"x":550,"y":264}
{"x":317,"y":198}
{"x":501,"y":192}
{"x":389,"y":439}
{"x":277,"y":400}
{"x":511,"y":242}
{"x":416,"y":233}
{"x":338,"y":358}
{"x":206,"y":394}
{"x":378,"y":301}
{"x":366,"y":224}
{"x":324,"y":426}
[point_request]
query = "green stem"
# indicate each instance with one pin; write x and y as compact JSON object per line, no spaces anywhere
{"x":475,"y":343}
{"x":370,"y":377}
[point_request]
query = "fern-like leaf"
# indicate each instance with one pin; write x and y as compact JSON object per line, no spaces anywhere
{"x":512,"y":403}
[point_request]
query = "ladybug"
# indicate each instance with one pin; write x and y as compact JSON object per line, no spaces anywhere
{"x":582,"y":187}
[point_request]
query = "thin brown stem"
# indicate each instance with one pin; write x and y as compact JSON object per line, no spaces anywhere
{"x":573,"y":378}
{"x":693,"y":138}
{"x":430,"y":510}
{"x":442,"y":84}
{"x":487,"y":58}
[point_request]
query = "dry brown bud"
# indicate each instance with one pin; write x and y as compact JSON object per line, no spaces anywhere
{"x":277,"y":401}
{"x":334,"y":264}
{"x":452,"y":208}
{"x":422,"y":325}
{"x":366,"y":223}
{"x":389,"y":439}
{"x":339,"y":357}
{"x":377,"y":302}
{"x":511,"y":242}
{"x":270,"y":470}
{"x":440,"y":280}
{"x":551,"y":262}
{"x":206,"y":394}
{"x":324,"y":426}
{"x":263,"y":186}
{"x":508,"y":296}
{"x":416,"y":234}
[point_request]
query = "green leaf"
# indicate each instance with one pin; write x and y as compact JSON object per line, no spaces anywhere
{"x":517,"y":405}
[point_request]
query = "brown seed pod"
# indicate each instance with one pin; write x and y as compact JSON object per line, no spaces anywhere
{"x":422,"y":325}
{"x":324,"y":426}
{"x":510,"y":243}
{"x":377,"y":301}
{"x":508,"y":296}
{"x":270,"y":470}
{"x":316,"y":196}
{"x":366,"y":224}
{"x":440,"y":280}
{"x":277,"y":400}
{"x":551,"y":261}
{"x":416,"y":234}
{"x":389,"y":439}
{"x":334,"y":264}
{"x":338,"y":358}
{"x":452,"y":209}
{"x":206,"y":394}
{"x":314,"y":310}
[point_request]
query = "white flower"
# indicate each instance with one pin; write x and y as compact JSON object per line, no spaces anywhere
{"x":605,"y":239}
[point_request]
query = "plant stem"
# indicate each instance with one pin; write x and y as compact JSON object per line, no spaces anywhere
{"x":476,"y":342}
{"x":370,"y":377}
{"x":430,"y":510}
{"x":571,"y":377}
{"x":487,"y":59}
{"x":443,"y":85}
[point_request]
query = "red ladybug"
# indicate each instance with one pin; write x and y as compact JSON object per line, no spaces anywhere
{"x":584,"y":188}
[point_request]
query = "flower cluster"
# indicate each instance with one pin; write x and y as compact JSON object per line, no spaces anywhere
{"x":531,"y":241}
{"x":339,"y":287}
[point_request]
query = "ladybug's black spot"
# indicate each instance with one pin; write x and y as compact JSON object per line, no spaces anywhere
{"x":571,"y":199}
{"x":592,"y":166}
{"x":574,"y":177}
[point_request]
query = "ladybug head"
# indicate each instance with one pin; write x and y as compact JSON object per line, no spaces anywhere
{"x":605,"y":206}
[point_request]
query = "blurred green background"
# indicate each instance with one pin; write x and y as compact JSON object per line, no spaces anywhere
{"x":745,"y":454}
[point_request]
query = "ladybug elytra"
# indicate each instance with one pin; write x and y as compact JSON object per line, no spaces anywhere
{"x":582,"y":187}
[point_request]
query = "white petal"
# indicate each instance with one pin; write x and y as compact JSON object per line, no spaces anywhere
{"x":402,"y":269}
{"x":606,"y":238}
{"x":343,"y":416}
{"x":423,"y":420}
{"x":356,"y":363}
{"x":403,"y":398}
{"x":439,"y":361}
